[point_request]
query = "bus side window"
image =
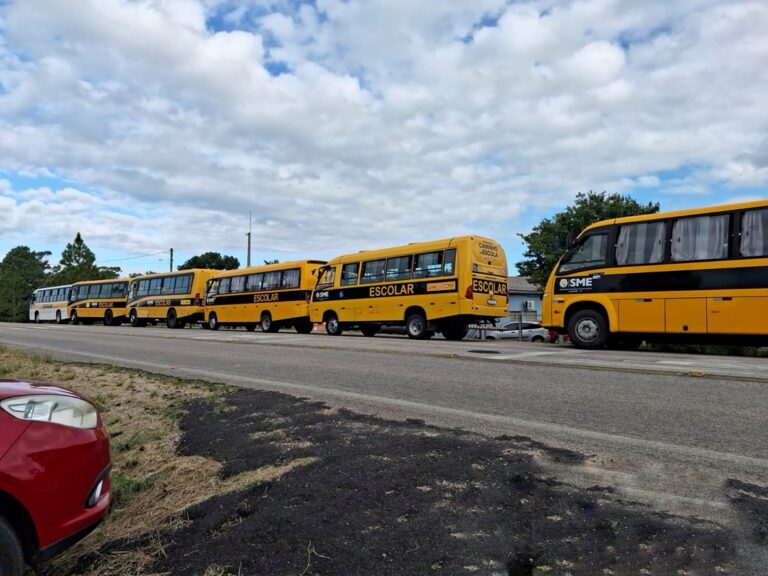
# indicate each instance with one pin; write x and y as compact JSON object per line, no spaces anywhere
{"x":118,"y":290}
{"x":238,"y":284}
{"x":349,"y":273}
{"x":373,"y":271}
{"x":399,"y":268}
{"x":754,"y":233}
{"x":290,"y":278}
{"x":183,"y":284}
{"x":272,"y":280}
{"x":428,"y":265}
{"x":224,"y":285}
{"x":700,"y":238}
{"x":254,"y":282}
{"x":143,"y":288}
{"x":169,"y":285}
{"x":449,"y":260}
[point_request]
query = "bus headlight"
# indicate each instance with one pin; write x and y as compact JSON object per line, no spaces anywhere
{"x":63,"y":410}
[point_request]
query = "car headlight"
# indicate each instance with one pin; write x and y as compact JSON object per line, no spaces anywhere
{"x":64,"y":410}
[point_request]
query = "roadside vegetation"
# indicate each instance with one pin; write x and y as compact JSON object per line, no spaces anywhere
{"x":153,"y":485}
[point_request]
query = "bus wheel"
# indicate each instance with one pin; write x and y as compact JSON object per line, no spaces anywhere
{"x":136,"y":322}
{"x":588,"y":329}
{"x":332,"y":325}
{"x":73,"y":319}
{"x":266,"y":323}
{"x":58,"y":316}
{"x":11,"y":552}
{"x":213,"y":321}
{"x":109,"y":319}
{"x":454,"y":332}
{"x":303,"y":327}
{"x":250,"y":327}
{"x":171,"y":320}
{"x":416,"y":326}
{"x":37,"y":317}
{"x":369,"y":330}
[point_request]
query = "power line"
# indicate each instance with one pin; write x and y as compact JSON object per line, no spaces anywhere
{"x":133,"y":257}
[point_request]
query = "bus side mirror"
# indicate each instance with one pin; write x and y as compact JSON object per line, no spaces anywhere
{"x":569,"y":239}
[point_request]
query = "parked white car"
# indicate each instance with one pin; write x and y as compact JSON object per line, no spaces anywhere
{"x":531,"y":332}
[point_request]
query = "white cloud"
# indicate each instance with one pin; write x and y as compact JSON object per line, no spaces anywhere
{"x":389,"y":120}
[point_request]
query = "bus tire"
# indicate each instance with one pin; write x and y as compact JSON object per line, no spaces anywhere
{"x":135,"y":321}
{"x":73,"y":319}
{"x":37,"y":317}
{"x":416,"y":326}
{"x":303,"y":327}
{"x":58,"y":317}
{"x":369,"y":330}
{"x":109,"y":319}
{"x":588,"y":329}
{"x":171,"y":320}
{"x":332,"y":325}
{"x":267,"y":325}
{"x":213,"y":321}
{"x":11,"y":552}
{"x":454,"y":332}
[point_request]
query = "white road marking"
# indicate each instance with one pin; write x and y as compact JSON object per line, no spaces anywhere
{"x":291,"y":387}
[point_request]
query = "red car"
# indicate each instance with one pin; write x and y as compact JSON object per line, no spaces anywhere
{"x":54,"y":472}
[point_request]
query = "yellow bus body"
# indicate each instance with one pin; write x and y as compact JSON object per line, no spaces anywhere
{"x":272,"y":296}
{"x":696,"y":275}
{"x":174,"y":297}
{"x":443,"y":285}
{"x":99,"y":300}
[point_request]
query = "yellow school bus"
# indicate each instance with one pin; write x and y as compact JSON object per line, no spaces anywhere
{"x":442,"y":286}
{"x":175,"y":297}
{"x":273,"y":296}
{"x":685,"y":276}
{"x":98,"y":300}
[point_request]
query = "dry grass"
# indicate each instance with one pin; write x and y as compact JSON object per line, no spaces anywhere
{"x":153,"y":485}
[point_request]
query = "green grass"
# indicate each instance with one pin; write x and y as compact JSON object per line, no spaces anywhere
{"x":124,"y":488}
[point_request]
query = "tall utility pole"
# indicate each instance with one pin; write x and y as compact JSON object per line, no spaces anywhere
{"x":249,"y":238}
{"x":171,"y":270}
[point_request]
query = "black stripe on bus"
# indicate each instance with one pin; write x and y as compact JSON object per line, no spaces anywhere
{"x":388,"y":290}
{"x":668,"y":281}
{"x":162,"y":302}
{"x":101,"y":304}
{"x":259,"y":297}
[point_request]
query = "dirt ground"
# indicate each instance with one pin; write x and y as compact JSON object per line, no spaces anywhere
{"x":215,"y":481}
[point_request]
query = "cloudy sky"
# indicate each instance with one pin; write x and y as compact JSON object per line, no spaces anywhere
{"x":348,"y":124}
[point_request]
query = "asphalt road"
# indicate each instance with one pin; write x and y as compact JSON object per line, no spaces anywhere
{"x":668,"y":430}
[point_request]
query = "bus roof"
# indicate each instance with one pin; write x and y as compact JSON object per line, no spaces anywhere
{"x":52,"y":287}
{"x":109,"y":281}
{"x":682,"y":213}
{"x":412,"y":247}
{"x":174,"y":273}
{"x":268,"y":267}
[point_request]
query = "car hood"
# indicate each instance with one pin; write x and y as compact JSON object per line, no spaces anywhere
{"x":13,"y":388}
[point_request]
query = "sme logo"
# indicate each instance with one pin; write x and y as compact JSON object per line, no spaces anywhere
{"x":575,"y":283}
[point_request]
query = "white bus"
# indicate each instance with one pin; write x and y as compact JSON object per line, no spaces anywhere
{"x":49,"y":304}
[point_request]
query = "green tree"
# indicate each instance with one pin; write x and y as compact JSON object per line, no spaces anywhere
{"x":21,"y":271}
{"x":78,"y":263}
{"x":212,"y":260}
{"x":548,"y":240}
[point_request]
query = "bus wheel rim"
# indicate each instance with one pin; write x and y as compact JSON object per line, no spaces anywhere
{"x":588,"y":330}
{"x":416,"y":326}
